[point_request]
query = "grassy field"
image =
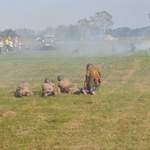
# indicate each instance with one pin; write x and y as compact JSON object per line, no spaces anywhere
{"x":117,"y":118}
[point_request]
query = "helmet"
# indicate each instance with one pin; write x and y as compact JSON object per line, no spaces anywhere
{"x":47,"y":80}
{"x":18,"y":94}
{"x":60,"y":77}
{"x":51,"y":80}
{"x":88,"y":65}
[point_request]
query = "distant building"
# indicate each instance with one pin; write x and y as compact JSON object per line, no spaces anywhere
{"x":107,"y":37}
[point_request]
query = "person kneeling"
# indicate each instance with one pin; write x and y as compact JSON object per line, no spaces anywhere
{"x":92,"y":79}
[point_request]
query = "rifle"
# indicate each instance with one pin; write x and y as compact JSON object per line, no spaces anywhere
{"x":85,"y":84}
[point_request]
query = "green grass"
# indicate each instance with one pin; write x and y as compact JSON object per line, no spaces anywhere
{"x":118,"y":117}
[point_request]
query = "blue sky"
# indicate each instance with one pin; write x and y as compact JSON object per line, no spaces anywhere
{"x":39,"y":14}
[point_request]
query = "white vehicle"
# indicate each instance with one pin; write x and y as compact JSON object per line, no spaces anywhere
{"x":48,"y":43}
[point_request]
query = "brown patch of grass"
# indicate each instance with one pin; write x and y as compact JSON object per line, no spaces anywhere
{"x":23,"y":133}
{"x":9,"y":114}
{"x":71,"y":125}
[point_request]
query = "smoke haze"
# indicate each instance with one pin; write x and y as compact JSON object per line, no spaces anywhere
{"x":41,"y":14}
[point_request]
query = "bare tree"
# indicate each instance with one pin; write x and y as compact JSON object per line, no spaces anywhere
{"x":103,"y":20}
{"x":83,"y":24}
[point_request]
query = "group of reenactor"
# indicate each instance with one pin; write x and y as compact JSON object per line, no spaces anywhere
{"x":91,"y":84}
{"x":10,"y":44}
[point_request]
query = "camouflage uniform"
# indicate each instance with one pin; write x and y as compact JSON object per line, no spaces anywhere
{"x":67,"y":87}
{"x":93,"y":79}
{"x":23,"y":89}
{"x":49,"y":89}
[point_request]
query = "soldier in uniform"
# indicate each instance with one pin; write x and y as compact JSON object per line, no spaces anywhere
{"x":49,"y":89}
{"x":92,"y":80}
{"x":132,"y":46}
{"x":23,"y":89}
{"x":67,"y":87}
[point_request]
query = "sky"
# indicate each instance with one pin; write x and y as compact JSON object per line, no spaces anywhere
{"x":40,"y":14}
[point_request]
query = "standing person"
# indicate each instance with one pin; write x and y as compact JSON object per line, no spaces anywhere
{"x":23,"y":89}
{"x":1,"y":44}
{"x":113,"y":46}
{"x":49,"y":89}
{"x":7,"y":42}
{"x":132,"y":46}
{"x":92,"y":79}
{"x":16,"y":42}
{"x":27,"y":46}
{"x":19,"y":45}
{"x":67,"y":87}
{"x":11,"y":44}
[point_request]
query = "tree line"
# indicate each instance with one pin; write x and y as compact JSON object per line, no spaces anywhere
{"x":99,"y":24}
